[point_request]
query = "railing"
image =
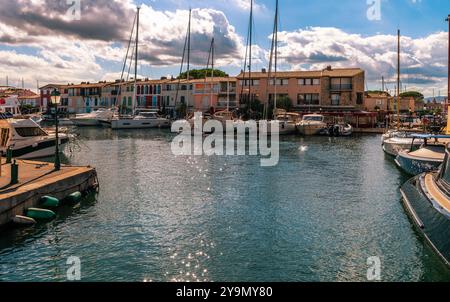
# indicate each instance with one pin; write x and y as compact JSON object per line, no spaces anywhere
{"x":340,"y":87}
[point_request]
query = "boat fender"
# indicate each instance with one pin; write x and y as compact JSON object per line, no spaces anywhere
{"x":49,"y":202}
{"x":40,"y":214}
{"x":23,"y":220}
{"x":74,"y":197}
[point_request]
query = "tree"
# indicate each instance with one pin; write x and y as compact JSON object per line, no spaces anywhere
{"x":285,"y":103}
{"x":201,"y":73}
{"x":412,"y":94}
{"x":181,"y":110}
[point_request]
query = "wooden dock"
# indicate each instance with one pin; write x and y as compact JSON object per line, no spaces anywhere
{"x":38,"y":179}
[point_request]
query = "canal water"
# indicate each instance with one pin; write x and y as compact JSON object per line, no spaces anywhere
{"x":329,"y":205}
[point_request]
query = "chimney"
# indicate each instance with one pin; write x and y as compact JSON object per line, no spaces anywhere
{"x":329,"y":68}
{"x":264,"y":70}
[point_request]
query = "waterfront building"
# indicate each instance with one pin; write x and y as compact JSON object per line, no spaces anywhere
{"x":46,"y":92}
{"x":183,"y":88}
{"x":331,"y":90}
{"x":149,"y":94}
{"x":83,"y":98}
{"x":218,"y":93}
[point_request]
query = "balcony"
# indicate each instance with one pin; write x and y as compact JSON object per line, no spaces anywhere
{"x":341,"y":87}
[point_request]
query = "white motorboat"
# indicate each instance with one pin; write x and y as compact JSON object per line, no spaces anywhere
{"x":341,"y":129}
{"x":224,"y":116}
{"x":393,"y":146}
{"x":94,"y":118}
{"x":144,"y":120}
{"x":28,"y":140}
{"x":312,"y":124}
{"x":287,"y":122}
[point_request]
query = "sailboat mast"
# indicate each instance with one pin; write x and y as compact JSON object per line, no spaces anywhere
{"x":188,"y":62}
{"x":250,"y":54}
{"x":398,"y":80}
{"x":212,"y":72}
{"x":275,"y":33}
{"x":136,"y":60}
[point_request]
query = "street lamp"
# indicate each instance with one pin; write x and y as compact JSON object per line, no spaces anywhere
{"x":55,"y":99}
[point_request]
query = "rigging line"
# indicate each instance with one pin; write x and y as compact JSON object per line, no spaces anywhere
{"x":245,"y":66}
{"x":126,"y":58}
{"x":131,"y":64}
{"x":206,"y":69}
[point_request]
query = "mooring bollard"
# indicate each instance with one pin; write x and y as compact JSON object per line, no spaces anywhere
{"x":14,"y":173}
{"x":9,"y":154}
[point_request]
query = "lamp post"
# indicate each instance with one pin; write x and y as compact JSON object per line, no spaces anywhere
{"x":55,"y":99}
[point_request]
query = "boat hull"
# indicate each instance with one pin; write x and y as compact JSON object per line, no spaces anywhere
{"x":415,"y":165}
{"x":392,"y":148}
{"x":86,"y":122}
{"x":310,"y":130}
{"x":39,"y":150}
{"x":139,"y":124}
{"x":431,"y":223}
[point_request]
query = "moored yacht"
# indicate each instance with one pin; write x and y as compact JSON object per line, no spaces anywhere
{"x":94,"y":118}
{"x":427,"y":158}
{"x":312,"y":124}
{"x":392,"y":146}
{"x":144,"y":120}
{"x":427,"y":201}
{"x":287,"y":122}
{"x":27,"y":139}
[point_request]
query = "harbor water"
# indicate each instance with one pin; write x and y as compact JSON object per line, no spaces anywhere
{"x":329,"y":205}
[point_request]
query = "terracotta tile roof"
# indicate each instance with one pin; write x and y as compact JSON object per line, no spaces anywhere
{"x":214,"y":80}
{"x":337,"y":72}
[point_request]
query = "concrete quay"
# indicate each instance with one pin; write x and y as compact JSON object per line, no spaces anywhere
{"x":38,"y":179}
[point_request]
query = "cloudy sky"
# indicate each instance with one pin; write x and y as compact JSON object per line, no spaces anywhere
{"x":43,"y":40}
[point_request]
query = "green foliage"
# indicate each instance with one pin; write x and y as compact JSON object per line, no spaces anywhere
{"x":285,"y":103}
{"x":181,"y":109}
{"x":201,"y":73}
{"x":414,"y":94}
{"x":378,"y":92}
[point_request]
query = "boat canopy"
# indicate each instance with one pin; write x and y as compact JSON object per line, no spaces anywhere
{"x":430,"y":136}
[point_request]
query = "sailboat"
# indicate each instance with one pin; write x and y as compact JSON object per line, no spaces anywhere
{"x":287,"y":121}
{"x":140,"y":120}
{"x":395,"y":141}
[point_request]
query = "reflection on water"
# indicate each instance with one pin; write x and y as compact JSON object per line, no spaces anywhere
{"x":329,"y":205}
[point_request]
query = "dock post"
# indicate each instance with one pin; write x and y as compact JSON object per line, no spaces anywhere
{"x":9,"y":154}
{"x":14,"y":173}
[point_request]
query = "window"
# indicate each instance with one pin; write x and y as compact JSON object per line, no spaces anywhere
{"x":360,"y":98}
{"x":308,"y":99}
{"x":335,"y":99}
{"x":280,"y":82}
{"x":30,"y":132}
{"x":308,"y":82}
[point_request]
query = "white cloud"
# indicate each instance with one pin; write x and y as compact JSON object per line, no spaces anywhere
{"x":65,"y":51}
{"x":423,"y":60}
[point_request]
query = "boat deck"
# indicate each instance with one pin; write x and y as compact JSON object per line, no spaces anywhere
{"x":436,"y":193}
{"x":430,"y":152}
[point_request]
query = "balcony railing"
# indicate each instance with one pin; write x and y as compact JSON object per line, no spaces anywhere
{"x":340,"y":87}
